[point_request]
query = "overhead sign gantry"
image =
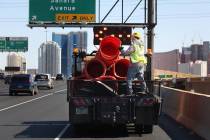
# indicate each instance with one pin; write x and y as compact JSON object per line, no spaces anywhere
{"x":61,"y":11}
{"x":82,"y":13}
{"x":88,"y":13}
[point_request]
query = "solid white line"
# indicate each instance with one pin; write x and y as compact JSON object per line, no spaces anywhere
{"x":62,"y":132}
{"x":60,"y":91}
{"x":7,"y":108}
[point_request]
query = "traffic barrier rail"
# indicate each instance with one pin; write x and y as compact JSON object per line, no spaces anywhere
{"x":188,"y":108}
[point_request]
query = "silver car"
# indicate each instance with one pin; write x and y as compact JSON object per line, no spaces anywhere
{"x":44,"y":80}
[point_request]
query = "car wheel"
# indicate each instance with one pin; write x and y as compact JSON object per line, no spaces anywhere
{"x":32,"y":92}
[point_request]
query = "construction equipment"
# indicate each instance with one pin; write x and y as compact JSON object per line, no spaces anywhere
{"x":98,"y":95}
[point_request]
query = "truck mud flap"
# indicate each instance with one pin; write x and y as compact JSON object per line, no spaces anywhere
{"x":146,"y":114}
{"x":157,"y":110}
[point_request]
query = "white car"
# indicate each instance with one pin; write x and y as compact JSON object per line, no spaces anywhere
{"x":44,"y":80}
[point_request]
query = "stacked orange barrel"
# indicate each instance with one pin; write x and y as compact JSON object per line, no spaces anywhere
{"x":107,"y":65}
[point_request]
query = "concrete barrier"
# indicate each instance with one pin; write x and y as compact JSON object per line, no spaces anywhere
{"x":188,"y":108}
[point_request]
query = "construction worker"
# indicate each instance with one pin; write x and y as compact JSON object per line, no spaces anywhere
{"x":138,"y":60}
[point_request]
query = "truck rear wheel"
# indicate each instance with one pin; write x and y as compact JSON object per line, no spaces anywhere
{"x":148,"y":129}
{"x":139,"y":128}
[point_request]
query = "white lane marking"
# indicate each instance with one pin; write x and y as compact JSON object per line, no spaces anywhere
{"x":7,"y":108}
{"x":62,"y":132}
{"x":60,"y":91}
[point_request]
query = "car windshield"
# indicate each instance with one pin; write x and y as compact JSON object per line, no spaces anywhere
{"x":41,"y":78}
{"x":20,"y":79}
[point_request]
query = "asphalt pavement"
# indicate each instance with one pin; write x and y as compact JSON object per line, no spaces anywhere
{"x":45,"y":116}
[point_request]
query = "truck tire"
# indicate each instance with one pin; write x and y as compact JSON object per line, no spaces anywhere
{"x":148,"y":129}
{"x":139,"y":128}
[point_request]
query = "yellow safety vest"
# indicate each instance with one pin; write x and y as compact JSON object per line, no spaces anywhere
{"x":138,"y":54}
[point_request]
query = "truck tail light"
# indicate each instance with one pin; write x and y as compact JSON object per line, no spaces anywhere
{"x":80,"y":102}
{"x":148,"y":101}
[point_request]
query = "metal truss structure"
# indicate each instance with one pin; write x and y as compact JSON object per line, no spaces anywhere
{"x":101,"y":21}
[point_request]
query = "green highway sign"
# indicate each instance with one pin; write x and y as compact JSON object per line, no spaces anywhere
{"x":165,"y":76}
{"x":2,"y":42}
{"x":10,"y":44}
{"x":59,"y":11}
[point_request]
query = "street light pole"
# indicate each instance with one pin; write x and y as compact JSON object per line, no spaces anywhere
{"x":46,"y":35}
{"x":150,"y":37}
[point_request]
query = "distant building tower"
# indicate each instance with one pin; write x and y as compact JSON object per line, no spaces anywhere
{"x":16,"y":60}
{"x":186,"y":55}
{"x":49,"y":59}
{"x":197,"y":52}
{"x":200,"y":68}
{"x":68,"y":42}
{"x":206,"y":47}
{"x":62,"y":40}
{"x":166,"y":60}
{"x":185,"y":67}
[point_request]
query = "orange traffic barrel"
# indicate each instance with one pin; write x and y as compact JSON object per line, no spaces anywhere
{"x":121,"y":69}
{"x":109,"y":50}
{"x":94,"y":68}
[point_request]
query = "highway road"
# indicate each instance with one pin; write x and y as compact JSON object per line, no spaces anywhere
{"x":45,"y":116}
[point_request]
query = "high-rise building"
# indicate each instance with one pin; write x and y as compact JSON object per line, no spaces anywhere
{"x":68,"y":42}
{"x":62,"y":40}
{"x":198,"y":68}
{"x":16,"y":60}
{"x":49,"y":59}
{"x":195,"y":52}
{"x":206,"y":47}
{"x":185,"y":67}
{"x":186,"y":55}
{"x":166,"y":60}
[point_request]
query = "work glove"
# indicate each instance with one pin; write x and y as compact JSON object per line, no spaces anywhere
{"x":149,"y":52}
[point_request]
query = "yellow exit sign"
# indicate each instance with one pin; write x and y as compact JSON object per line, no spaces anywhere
{"x":75,"y":17}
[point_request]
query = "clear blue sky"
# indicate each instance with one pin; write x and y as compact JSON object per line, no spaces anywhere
{"x":179,"y":22}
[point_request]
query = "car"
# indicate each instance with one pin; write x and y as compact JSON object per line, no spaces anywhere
{"x":44,"y":80}
{"x":53,"y":78}
{"x":7,"y":79}
{"x":2,"y":76}
{"x":59,"y":77}
{"x":22,"y":83}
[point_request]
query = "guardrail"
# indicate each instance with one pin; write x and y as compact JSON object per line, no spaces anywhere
{"x":188,"y":108}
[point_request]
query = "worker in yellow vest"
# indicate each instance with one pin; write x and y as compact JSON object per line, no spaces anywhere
{"x":138,"y":60}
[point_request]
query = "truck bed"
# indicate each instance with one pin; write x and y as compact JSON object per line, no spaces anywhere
{"x":91,"y":102}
